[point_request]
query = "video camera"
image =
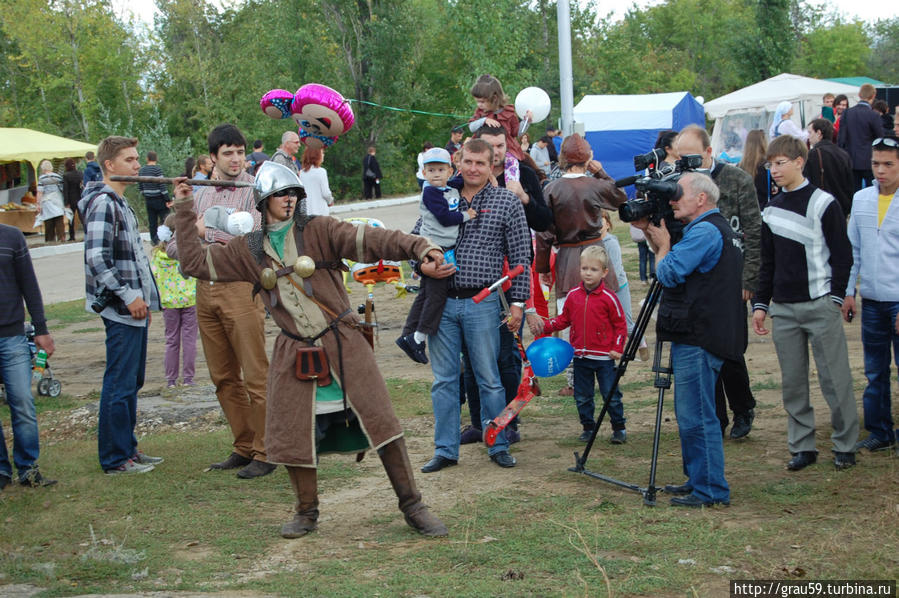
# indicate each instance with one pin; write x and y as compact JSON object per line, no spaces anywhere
{"x":658,"y":187}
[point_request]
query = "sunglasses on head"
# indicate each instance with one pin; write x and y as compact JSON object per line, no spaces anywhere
{"x":887,"y":141}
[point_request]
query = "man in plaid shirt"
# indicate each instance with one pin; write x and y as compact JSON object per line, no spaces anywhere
{"x":499,"y":232}
{"x":231,"y":320}
{"x":121,"y":288}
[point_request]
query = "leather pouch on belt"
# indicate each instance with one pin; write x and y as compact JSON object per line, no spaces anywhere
{"x":312,"y":364}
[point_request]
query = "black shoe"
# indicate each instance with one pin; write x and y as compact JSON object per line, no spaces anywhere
{"x":232,"y":462}
{"x":34,"y":479}
{"x":470,"y":435}
{"x":742,"y":424}
{"x":843,"y":460}
{"x":801,"y":460}
{"x":873,"y":444}
{"x":693,"y":501}
{"x":618,"y":437}
{"x":585,"y":435}
{"x":5,"y":481}
{"x":684,"y":488}
{"x":256,"y":469}
{"x":438,"y":463}
{"x":415,"y":351}
{"x":503,"y":459}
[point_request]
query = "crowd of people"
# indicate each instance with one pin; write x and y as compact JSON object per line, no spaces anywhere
{"x":771,"y":233}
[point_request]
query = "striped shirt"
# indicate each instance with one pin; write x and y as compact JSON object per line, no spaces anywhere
{"x":805,"y":250}
{"x":239,"y":199}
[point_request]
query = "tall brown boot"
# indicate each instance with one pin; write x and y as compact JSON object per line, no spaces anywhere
{"x":399,"y":470}
{"x":305,"y":485}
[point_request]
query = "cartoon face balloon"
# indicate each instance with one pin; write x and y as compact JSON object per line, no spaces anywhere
{"x":321,"y":113}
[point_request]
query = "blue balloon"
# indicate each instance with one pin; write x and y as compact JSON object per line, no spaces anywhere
{"x":549,"y":356}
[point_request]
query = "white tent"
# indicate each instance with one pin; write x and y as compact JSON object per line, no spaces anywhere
{"x":753,"y":107}
{"x":619,"y":127}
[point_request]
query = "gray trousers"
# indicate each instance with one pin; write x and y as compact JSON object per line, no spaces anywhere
{"x":818,"y":322}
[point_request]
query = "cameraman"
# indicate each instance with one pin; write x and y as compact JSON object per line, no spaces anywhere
{"x":704,"y":267}
{"x":114,"y":260}
{"x":738,"y":204}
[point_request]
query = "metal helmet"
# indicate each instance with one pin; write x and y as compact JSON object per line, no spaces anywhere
{"x":272,"y":177}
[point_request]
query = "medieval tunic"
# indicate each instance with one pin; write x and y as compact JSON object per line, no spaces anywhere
{"x":290,"y":413}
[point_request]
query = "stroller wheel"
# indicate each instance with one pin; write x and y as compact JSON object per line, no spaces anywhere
{"x":54,"y":388}
{"x":42,"y":386}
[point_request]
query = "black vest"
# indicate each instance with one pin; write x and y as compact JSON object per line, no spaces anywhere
{"x":707,"y":310}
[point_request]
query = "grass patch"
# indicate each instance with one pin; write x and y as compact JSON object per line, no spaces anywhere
{"x":538,"y":530}
{"x":87,"y":330}
{"x":68,"y":312}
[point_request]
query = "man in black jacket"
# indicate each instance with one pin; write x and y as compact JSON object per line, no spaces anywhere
{"x":156,"y":196}
{"x":371,"y":175}
{"x":829,"y":167}
{"x":859,"y":126}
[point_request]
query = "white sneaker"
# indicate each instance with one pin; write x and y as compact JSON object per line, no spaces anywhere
{"x":129,"y":466}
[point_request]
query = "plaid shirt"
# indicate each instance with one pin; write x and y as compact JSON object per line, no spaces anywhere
{"x":114,"y":256}
{"x":500,"y":230}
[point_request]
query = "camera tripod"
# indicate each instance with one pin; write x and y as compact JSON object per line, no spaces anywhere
{"x":662,"y":382}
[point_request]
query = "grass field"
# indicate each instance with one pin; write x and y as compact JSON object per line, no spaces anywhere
{"x":538,"y":530}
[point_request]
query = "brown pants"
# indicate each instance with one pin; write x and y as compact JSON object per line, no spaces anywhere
{"x":55,"y":229}
{"x":232,"y":326}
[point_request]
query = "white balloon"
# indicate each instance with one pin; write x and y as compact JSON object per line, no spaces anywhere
{"x":240,"y":223}
{"x":534,"y":99}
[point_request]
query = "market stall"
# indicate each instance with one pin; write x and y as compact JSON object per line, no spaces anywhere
{"x":21,"y":152}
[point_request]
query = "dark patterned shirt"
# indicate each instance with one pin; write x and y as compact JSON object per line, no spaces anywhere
{"x":500,"y":230}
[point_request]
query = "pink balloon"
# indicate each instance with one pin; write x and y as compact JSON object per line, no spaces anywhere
{"x":276,"y":103}
{"x":321,"y":113}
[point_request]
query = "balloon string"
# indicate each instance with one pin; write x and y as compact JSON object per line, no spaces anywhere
{"x":394,"y":108}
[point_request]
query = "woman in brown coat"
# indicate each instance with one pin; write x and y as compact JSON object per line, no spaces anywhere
{"x":304,"y":416}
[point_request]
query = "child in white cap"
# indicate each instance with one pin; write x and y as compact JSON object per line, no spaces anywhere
{"x":440,"y":220}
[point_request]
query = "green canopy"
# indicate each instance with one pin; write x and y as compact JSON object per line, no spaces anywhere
{"x":17,"y":145}
{"x":857,"y":81}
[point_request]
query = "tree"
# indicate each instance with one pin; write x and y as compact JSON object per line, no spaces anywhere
{"x":66,"y":58}
{"x":839,"y":50}
{"x":883,"y":60}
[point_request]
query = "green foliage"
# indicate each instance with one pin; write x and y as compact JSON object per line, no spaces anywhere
{"x":884,"y":58}
{"x":848,"y":51}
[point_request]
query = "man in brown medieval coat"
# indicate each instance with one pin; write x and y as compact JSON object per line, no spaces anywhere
{"x":310,"y":305}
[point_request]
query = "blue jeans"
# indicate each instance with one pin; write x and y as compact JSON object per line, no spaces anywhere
{"x":647,"y":261}
{"x":477,"y":326}
{"x":585,"y":370}
{"x":15,"y":367}
{"x":878,"y":333}
{"x":702,"y":449}
{"x":509,"y":364}
{"x":126,"y":358}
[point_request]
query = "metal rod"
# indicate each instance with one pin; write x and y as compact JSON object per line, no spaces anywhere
{"x":171,"y":181}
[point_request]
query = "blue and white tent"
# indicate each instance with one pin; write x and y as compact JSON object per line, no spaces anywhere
{"x":619,"y":127}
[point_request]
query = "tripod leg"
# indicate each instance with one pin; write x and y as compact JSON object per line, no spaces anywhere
{"x":663,"y":382}
{"x":630,"y":350}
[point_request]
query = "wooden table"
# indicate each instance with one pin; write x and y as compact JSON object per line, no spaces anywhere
{"x":21,"y":219}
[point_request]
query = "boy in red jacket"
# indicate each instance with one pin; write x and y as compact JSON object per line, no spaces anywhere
{"x":598,"y":333}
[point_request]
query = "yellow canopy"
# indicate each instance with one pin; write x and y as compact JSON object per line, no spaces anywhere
{"x":18,"y":145}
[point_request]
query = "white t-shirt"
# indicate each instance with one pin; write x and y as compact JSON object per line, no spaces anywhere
{"x":318,"y":194}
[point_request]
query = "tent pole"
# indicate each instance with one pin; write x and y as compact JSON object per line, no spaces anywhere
{"x":566,"y":84}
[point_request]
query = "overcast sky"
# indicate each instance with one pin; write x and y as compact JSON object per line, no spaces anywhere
{"x":866,"y":10}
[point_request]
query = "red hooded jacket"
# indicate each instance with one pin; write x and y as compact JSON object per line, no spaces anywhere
{"x":596,"y":319}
